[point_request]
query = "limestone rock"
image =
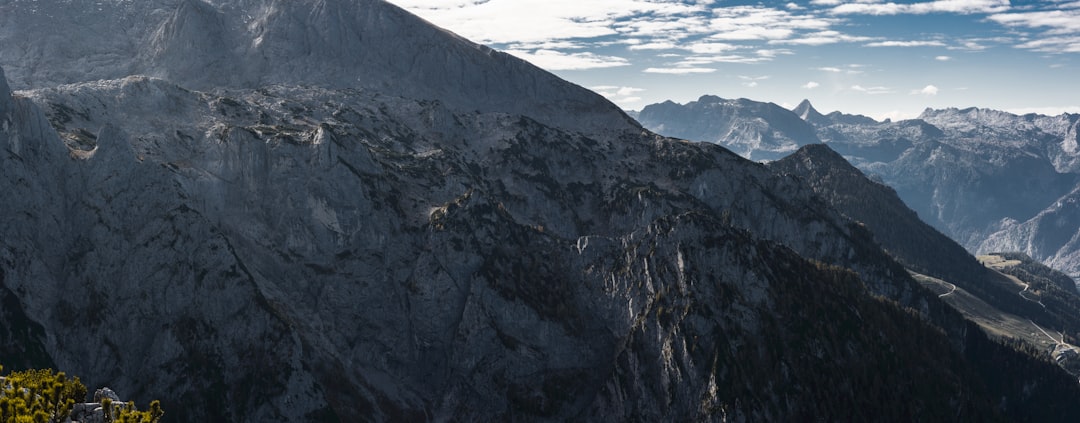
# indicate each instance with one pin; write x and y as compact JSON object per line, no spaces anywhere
{"x":101,"y":394}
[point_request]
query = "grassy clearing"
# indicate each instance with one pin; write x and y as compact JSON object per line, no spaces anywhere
{"x":994,"y":321}
{"x":996,"y":262}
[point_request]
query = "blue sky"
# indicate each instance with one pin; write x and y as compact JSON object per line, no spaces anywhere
{"x":879,"y":58}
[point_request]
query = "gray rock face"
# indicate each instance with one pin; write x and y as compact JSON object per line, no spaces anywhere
{"x":286,"y":254}
{"x":1053,"y":235}
{"x":250,"y":43}
{"x":274,"y":250}
{"x":5,"y":98}
{"x":101,"y":394}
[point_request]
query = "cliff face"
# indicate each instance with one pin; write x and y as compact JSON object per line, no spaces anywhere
{"x":297,"y":252}
{"x":372,"y":251}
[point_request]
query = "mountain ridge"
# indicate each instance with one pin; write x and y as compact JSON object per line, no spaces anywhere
{"x":978,"y":175}
{"x":318,"y":253}
{"x":334,"y":44}
{"x":762,"y":131}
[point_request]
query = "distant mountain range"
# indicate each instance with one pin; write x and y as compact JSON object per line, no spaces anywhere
{"x":992,"y":180}
{"x":330,"y":210}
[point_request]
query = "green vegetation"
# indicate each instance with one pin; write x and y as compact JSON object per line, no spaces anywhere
{"x":40,"y":396}
{"x":127,"y":413}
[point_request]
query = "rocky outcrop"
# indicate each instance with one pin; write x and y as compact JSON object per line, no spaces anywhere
{"x":94,"y":412}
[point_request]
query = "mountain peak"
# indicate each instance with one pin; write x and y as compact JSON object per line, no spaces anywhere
{"x":357,"y":44}
{"x":821,"y":155}
{"x":807,"y":112}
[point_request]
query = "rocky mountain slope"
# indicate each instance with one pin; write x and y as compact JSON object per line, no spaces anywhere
{"x":252,"y":43}
{"x":299,"y":248}
{"x":1014,"y":300}
{"x":991,"y":180}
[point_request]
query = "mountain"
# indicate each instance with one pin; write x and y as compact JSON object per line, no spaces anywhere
{"x":760,"y":131}
{"x":807,"y":112}
{"x":980,"y":176}
{"x":896,"y":227}
{"x":934,"y":258}
{"x":309,"y":250}
{"x":255,"y":43}
{"x":1053,"y":235}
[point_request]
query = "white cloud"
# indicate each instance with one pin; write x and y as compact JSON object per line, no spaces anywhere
{"x":762,"y":23}
{"x":822,"y":38}
{"x":679,"y":71}
{"x":943,"y":58}
{"x":895,"y":115}
{"x":1056,"y":21}
{"x":623,"y":96}
{"x":1069,"y":44}
{"x":922,"y":8}
{"x":1053,"y":31}
{"x":710,"y":48}
{"x":548,"y":45}
{"x":655,"y":45}
{"x":906,"y":44}
{"x":872,"y":90}
{"x":830,"y":69}
{"x":928,"y":91}
{"x":517,"y":21}
{"x":505,"y":22}
{"x":811,"y":85}
{"x":771,"y":53}
{"x":971,"y":45}
{"x":557,"y":60}
{"x":725,"y":58}
{"x":752,"y":81}
{"x":615,"y":90}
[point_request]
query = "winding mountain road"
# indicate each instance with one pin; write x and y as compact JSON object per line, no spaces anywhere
{"x":952,"y":290}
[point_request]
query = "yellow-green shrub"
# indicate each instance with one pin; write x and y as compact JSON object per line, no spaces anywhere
{"x":42,"y":396}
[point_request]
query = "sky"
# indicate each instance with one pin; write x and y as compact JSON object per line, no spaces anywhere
{"x":877,"y":58}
